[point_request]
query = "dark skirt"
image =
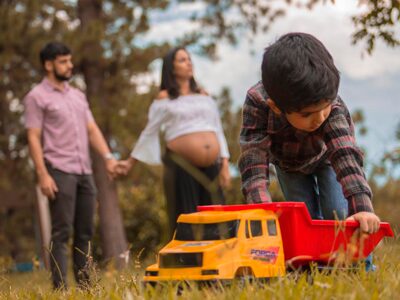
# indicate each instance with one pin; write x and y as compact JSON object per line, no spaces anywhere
{"x":187,"y":186}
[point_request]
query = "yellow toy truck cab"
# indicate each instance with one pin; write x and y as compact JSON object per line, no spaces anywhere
{"x":221,"y":245}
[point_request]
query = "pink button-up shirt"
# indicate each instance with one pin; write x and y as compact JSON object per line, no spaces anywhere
{"x":63,"y":117}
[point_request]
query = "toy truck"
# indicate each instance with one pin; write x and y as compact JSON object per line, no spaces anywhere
{"x":256,"y":241}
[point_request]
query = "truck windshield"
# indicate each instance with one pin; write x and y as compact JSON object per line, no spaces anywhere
{"x":206,"y":232}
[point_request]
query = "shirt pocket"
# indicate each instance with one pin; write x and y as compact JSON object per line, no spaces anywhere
{"x":54,"y":112}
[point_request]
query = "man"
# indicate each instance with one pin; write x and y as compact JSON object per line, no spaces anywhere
{"x":60,"y":128}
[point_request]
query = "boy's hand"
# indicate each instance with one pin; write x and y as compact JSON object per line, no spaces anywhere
{"x":369,"y":222}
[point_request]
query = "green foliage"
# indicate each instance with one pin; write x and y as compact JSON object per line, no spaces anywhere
{"x":378,"y":22}
{"x":144,"y":213}
{"x":359,"y":121}
{"x":387,"y":201}
{"x":17,"y":223}
{"x":231,"y":121}
{"x":24,"y":28}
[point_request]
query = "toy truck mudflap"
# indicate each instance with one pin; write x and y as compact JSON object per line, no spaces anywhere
{"x":322,"y":241}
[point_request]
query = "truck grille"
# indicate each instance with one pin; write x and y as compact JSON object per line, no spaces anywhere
{"x":181,"y":260}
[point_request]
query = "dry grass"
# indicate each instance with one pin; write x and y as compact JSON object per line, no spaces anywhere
{"x":381,"y":284}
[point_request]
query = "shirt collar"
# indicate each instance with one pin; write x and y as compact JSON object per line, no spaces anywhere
{"x":276,"y":122}
{"x":50,"y":87}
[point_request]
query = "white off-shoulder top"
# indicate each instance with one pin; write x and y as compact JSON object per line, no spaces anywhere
{"x":183,"y":115}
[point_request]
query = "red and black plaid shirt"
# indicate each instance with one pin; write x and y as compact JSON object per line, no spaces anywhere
{"x":268,"y":138}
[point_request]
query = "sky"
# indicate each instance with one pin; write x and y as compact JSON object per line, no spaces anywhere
{"x":369,"y":83}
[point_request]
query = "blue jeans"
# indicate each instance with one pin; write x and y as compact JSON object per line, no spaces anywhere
{"x":320,"y":191}
{"x":322,"y":194}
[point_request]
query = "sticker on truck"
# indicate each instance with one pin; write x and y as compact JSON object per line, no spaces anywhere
{"x":268,"y":255}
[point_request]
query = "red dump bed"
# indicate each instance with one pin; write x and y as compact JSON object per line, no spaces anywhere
{"x":306,"y":240}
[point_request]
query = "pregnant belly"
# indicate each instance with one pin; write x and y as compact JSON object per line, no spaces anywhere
{"x":199,"y":148}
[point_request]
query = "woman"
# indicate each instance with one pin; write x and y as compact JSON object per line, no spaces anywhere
{"x":196,"y":149}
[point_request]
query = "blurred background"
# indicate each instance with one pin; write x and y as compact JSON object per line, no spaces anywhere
{"x":117,"y":48}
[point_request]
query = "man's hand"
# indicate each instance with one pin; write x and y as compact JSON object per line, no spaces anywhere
{"x":224,"y":175}
{"x":369,"y":222}
{"x":48,"y":186}
{"x":111,"y":167}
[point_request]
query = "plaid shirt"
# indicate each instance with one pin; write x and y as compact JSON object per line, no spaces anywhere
{"x":268,"y":138}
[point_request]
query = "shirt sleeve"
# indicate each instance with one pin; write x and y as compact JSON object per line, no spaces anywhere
{"x":33,"y":113}
{"x":347,"y":160}
{"x":89,"y":115}
{"x":224,"y":151}
{"x":148,"y":148}
{"x":254,"y":145}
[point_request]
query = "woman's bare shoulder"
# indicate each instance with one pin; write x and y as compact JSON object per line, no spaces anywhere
{"x":163,"y":94}
{"x":203,"y":92}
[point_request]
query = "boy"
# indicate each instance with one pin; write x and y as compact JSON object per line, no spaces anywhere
{"x":295,"y":120}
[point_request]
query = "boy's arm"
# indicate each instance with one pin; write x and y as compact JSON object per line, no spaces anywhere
{"x":347,"y":161}
{"x":254,"y":145}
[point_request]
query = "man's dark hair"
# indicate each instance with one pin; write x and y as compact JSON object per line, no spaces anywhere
{"x":298,"y":71}
{"x":168,"y":80}
{"x":52,"y":50}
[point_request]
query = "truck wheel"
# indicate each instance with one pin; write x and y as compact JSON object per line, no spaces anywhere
{"x":244,"y":276}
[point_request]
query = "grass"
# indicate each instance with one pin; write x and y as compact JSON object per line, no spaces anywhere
{"x":381,"y":284}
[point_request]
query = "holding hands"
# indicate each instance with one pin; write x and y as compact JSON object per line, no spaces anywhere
{"x":117,"y":168}
{"x":111,"y":165}
{"x":124,"y":166}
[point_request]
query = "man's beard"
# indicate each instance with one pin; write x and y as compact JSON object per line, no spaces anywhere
{"x":61,"y":77}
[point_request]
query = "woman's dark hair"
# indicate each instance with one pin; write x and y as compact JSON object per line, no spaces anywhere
{"x":168,"y":80}
{"x":52,"y":50}
{"x":298,"y":71}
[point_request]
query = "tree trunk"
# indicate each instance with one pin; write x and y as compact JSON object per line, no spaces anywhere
{"x":112,"y":234}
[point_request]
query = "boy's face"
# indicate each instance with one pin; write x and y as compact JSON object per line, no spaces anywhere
{"x":309,"y":118}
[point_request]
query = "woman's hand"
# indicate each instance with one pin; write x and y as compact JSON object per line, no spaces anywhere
{"x":124,"y":166}
{"x":224,"y":175}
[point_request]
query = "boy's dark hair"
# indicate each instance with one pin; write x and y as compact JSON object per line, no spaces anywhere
{"x":298,"y":71}
{"x":52,"y":50}
{"x":168,"y":80}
